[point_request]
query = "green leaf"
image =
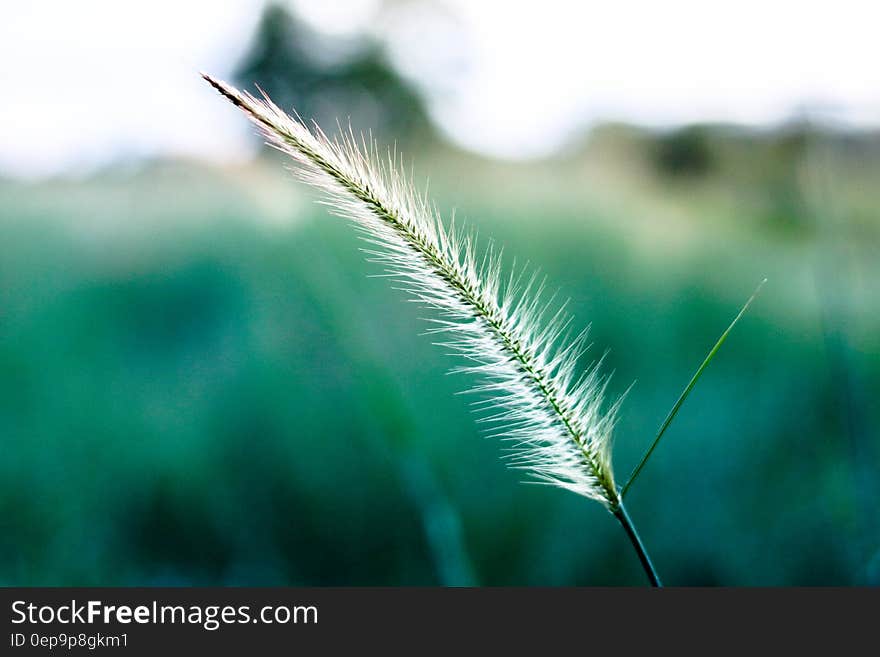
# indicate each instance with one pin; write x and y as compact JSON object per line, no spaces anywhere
{"x":687,"y":390}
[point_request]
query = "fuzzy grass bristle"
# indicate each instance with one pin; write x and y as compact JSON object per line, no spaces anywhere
{"x":538,"y":400}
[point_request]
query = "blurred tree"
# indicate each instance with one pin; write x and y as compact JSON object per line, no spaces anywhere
{"x":685,"y":152}
{"x":329,"y":78}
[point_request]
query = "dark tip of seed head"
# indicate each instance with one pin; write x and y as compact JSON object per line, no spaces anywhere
{"x":223,"y":89}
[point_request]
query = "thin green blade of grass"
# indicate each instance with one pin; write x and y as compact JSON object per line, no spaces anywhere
{"x":690,"y":386}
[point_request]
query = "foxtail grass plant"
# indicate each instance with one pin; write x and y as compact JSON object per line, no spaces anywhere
{"x":515,"y":343}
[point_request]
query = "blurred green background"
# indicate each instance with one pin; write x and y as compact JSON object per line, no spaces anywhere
{"x":199,"y":383}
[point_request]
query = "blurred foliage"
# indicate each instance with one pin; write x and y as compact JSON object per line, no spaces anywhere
{"x":684,"y":152}
{"x":318,"y":73}
{"x":201,"y":386}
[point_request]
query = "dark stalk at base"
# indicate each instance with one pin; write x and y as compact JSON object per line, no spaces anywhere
{"x":621,"y":514}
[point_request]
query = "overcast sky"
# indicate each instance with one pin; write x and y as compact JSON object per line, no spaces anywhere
{"x":87,"y":81}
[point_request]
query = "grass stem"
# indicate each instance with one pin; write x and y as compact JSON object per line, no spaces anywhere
{"x":621,"y":514}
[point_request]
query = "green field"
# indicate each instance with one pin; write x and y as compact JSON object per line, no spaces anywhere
{"x":200,"y":384}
